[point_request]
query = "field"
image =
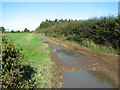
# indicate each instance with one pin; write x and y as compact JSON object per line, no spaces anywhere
{"x":37,"y":56}
{"x":31,"y":46}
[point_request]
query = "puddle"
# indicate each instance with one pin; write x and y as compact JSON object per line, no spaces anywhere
{"x":68,"y":57}
{"x":81,"y":78}
{"x":45,"y":41}
{"x":86,"y":79}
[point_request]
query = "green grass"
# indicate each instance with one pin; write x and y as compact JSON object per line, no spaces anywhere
{"x":92,"y":46}
{"x":31,"y":45}
{"x":48,"y":39}
{"x":37,"y":54}
{"x":96,"y":48}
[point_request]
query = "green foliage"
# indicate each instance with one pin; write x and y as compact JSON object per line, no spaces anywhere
{"x":18,"y":31}
{"x":11,"y":59}
{"x":39,"y":70}
{"x":14,"y":75}
{"x":102,"y":31}
{"x":12,"y":31}
{"x":2,"y":29}
{"x":26,"y":30}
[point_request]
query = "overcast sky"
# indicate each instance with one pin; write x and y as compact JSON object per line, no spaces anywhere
{"x":20,"y":15}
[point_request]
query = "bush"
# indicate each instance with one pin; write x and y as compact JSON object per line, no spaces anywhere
{"x":11,"y":59}
{"x":14,"y":75}
{"x":102,"y":31}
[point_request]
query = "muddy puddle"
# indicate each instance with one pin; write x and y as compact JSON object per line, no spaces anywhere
{"x":69,"y":58}
{"x":86,"y":79}
{"x":79,"y":78}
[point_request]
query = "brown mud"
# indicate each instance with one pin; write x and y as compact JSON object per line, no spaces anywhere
{"x":94,"y":61}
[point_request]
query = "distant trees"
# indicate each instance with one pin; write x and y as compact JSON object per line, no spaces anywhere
{"x":12,"y":31}
{"x":18,"y":31}
{"x":2,"y":29}
{"x":26,"y":30}
{"x":56,"y":20}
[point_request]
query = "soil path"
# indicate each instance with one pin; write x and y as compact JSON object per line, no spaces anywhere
{"x":95,"y":61}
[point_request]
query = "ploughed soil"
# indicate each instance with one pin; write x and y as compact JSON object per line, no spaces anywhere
{"x":106,"y":63}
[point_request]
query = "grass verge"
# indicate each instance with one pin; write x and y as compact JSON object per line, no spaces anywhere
{"x":48,"y":39}
{"x":86,"y":44}
{"x":37,"y":56}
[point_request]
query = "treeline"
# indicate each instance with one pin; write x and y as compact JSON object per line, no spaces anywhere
{"x":12,"y":31}
{"x":102,"y":31}
{"x":24,"y":31}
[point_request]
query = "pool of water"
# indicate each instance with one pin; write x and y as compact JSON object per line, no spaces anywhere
{"x":80,"y":78}
{"x":69,"y":57}
{"x":86,"y":79}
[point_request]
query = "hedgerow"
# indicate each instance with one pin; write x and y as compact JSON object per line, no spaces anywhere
{"x":14,"y":74}
{"x":104,"y":31}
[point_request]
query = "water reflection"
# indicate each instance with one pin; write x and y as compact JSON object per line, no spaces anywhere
{"x":86,"y":79}
{"x":81,"y":78}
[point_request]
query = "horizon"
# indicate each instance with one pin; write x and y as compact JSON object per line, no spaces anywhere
{"x":21,"y":15}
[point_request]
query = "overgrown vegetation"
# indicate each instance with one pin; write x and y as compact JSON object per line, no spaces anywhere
{"x":0,"y":56}
{"x":12,"y":71}
{"x":39,"y":70}
{"x":102,"y":33}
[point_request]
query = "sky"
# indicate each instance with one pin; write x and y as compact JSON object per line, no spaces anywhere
{"x":21,"y":15}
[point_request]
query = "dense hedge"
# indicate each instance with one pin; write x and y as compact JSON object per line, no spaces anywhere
{"x":18,"y":72}
{"x":11,"y":59}
{"x":14,"y":74}
{"x":102,"y":31}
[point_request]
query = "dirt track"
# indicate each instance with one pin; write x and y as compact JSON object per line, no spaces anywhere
{"x":95,"y":61}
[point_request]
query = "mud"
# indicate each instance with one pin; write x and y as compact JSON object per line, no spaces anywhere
{"x":86,"y":79}
{"x":80,"y":58}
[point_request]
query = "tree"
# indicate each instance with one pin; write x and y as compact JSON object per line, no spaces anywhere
{"x":26,"y":30}
{"x":12,"y":31}
{"x":65,"y":19}
{"x":2,"y":29}
{"x":46,"y":20}
{"x":56,"y":20}
{"x":61,"y":20}
{"x":18,"y":31}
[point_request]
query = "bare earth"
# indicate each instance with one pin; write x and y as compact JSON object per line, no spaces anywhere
{"x":106,"y":63}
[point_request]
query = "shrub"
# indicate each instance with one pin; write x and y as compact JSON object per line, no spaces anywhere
{"x":14,"y":74}
{"x":102,"y":31}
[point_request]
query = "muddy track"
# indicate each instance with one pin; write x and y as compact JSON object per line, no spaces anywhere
{"x":94,"y":61}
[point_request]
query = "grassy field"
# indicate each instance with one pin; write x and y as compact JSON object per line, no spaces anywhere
{"x":37,"y":56}
{"x":31,"y":45}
